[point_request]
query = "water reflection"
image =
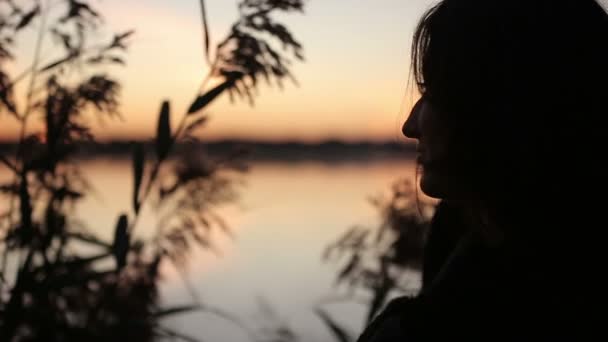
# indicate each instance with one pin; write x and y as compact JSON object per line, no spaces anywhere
{"x":287,"y":215}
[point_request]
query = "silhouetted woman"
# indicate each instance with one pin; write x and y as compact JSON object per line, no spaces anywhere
{"x":510,"y":127}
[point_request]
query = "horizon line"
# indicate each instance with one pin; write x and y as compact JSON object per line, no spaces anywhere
{"x":251,"y":141}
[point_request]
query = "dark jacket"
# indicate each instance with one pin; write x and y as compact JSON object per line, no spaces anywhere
{"x":475,"y":292}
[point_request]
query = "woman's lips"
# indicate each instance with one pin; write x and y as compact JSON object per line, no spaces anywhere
{"x":419,"y":160}
{"x":420,"y":155}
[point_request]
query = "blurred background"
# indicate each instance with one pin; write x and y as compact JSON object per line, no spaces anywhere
{"x":314,"y":170}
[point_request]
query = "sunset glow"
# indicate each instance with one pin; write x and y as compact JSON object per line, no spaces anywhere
{"x":351,"y":87}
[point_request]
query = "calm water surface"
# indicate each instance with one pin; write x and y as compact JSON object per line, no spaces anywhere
{"x":287,"y":214}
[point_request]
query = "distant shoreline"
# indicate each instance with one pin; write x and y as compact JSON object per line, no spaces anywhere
{"x":329,"y":151}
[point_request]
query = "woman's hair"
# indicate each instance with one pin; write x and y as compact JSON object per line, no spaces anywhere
{"x":523,"y":84}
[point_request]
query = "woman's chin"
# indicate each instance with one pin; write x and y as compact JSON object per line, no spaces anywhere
{"x":432,"y":185}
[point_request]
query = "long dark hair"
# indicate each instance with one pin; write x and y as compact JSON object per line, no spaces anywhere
{"x":524,"y":83}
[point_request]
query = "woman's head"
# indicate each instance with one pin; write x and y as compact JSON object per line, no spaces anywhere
{"x":512,"y":95}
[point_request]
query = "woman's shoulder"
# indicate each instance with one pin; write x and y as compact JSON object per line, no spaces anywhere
{"x":425,"y":318}
{"x":390,"y":324}
{"x":431,"y":318}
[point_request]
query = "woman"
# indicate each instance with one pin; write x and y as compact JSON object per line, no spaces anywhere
{"x":510,"y":127}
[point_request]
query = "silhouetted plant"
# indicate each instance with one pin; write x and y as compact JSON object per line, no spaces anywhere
{"x":58,"y":281}
{"x":377,"y":259}
{"x":248,"y":52}
{"x":272,"y":326}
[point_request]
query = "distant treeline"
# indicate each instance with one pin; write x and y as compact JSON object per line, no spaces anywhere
{"x":262,"y":151}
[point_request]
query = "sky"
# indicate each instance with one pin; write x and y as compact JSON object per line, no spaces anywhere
{"x":351,"y":87}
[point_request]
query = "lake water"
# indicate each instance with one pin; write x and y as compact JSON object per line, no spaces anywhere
{"x":287,"y":214}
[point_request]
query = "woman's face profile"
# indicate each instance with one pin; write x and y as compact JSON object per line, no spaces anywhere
{"x":438,"y":161}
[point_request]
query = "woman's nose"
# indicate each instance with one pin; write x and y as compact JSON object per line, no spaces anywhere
{"x":410,"y":126}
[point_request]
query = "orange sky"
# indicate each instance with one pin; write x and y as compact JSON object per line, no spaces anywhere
{"x":352,"y":84}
